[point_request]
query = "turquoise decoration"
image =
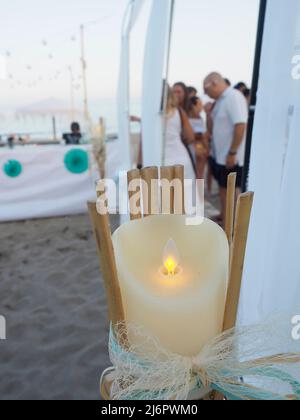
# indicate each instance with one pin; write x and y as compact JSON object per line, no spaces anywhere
{"x":12,"y":168}
{"x":77,"y":161}
{"x":229,"y":378}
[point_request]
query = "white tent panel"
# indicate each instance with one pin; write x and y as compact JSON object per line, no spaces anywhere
{"x":272,"y":269}
{"x":130,"y":19}
{"x":45,"y":187}
{"x":154,"y":72}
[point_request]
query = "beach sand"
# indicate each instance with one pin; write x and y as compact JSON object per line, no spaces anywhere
{"x":51,"y":293}
{"x":52,"y":296}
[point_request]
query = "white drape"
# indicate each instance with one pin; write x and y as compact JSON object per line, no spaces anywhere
{"x":130,"y":19}
{"x":272,"y":267}
{"x":45,"y":187}
{"x":155,"y":62}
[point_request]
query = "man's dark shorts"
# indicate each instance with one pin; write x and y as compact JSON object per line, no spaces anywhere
{"x":220,"y":173}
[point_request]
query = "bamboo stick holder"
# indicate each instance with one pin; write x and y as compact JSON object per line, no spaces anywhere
{"x":236,"y":228}
{"x":134,"y":176}
{"x":150,"y":193}
{"x":230,"y":206}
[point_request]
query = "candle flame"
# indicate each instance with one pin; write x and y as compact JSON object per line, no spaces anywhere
{"x":171,"y":265}
{"x":171,"y":258}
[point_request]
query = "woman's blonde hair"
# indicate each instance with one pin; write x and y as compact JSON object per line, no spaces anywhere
{"x":172,"y":102}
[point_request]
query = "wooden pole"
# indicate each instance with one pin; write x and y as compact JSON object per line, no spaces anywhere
{"x":72,"y":101}
{"x":101,"y":227}
{"x":150,"y":191}
{"x":54,"y":128}
{"x":239,"y":244}
{"x":102,"y":127}
{"x":134,"y":175}
{"x":230,"y":206}
{"x":84,"y":78}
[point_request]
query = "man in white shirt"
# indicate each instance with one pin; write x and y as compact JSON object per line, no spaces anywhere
{"x":229,"y":118}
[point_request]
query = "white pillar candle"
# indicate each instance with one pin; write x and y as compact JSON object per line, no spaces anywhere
{"x":185,"y":308}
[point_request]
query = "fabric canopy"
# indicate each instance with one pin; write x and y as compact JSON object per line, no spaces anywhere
{"x":272,"y":269}
{"x":131,"y":16}
{"x":155,"y":71}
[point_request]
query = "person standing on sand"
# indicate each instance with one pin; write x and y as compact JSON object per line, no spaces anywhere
{"x":181,"y":93}
{"x":192,"y":92}
{"x":229,"y":122}
{"x":201,"y":146}
{"x":178,"y":127}
{"x":75,"y":136}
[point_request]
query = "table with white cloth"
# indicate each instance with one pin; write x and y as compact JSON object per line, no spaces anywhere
{"x":46,"y":181}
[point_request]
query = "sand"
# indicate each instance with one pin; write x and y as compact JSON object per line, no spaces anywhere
{"x":52,"y":296}
{"x":51,"y":293}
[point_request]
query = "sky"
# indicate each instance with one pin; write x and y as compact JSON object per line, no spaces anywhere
{"x":42,"y":41}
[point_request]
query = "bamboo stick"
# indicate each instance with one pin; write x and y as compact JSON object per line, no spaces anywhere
{"x":167,"y":173}
{"x":150,"y":191}
{"x":230,"y":206}
{"x":134,"y":175}
{"x":179,"y":207}
{"x":239,"y":244}
{"x":238,"y":248}
{"x":106,"y":255}
{"x":105,"y":391}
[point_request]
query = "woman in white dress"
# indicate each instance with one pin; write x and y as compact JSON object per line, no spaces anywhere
{"x":201,"y":149}
{"x":177,"y":128}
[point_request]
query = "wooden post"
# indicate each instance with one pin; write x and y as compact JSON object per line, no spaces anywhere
{"x":134,"y":175}
{"x":84,"y":80}
{"x":106,"y":255}
{"x":150,"y":195}
{"x":100,"y":153}
{"x":230,"y":206}
{"x":54,"y":128}
{"x":239,"y":244}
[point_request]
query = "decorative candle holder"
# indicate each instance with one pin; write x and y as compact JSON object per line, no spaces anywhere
{"x":181,"y":283}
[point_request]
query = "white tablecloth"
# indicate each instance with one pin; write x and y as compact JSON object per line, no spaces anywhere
{"x":45,"y":187}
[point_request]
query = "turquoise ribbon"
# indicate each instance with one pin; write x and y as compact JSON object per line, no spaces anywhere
{"x":235,"y":392}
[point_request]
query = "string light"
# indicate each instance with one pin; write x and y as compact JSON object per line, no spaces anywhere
{"x":56,"y":75}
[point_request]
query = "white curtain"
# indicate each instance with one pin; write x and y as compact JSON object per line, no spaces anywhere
{"x":132,"y":13}
{"x":155,"y":63}
{"x":45,"y":187}
{"x":272,"y":268}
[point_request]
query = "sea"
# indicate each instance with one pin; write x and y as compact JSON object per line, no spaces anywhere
{"x":38,"y":127}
